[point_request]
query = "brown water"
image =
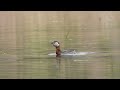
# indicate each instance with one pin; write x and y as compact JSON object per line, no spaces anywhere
{"x":25,"y":39}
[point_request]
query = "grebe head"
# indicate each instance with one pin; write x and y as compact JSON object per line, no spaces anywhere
{"x":55,"y":43}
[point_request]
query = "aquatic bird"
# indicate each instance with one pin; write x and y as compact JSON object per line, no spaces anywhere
{"x":56,"y":44}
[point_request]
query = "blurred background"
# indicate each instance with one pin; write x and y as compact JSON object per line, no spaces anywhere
{"x":25,"y":38}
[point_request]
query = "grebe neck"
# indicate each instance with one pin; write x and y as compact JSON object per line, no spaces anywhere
{"x":58,"y":51}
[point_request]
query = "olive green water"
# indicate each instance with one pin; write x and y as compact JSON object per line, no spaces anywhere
{"x":25,"y":39}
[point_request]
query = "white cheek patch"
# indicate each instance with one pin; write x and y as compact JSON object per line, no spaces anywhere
{"x":56,"y":44}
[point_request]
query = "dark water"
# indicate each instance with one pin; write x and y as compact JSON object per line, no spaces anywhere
{"x":25,"y":39}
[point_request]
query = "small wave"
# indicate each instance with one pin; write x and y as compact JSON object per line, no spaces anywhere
{"x":73,"y":54}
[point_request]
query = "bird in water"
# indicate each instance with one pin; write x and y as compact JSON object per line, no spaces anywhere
{"x":56,"y":44}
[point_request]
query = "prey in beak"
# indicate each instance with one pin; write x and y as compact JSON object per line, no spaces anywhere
{"x":55,"y":43}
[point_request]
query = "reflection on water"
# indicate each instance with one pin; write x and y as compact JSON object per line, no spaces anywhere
{"x":26,"y":52}
{"x":102,"y":65}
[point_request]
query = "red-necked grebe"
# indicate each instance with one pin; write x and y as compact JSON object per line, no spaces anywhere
{"x":56,"y":44}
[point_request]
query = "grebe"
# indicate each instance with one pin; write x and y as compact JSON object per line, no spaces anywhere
{"x":56,"y":44}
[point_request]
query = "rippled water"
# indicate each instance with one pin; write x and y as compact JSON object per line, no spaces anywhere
{"x":26,"y":51}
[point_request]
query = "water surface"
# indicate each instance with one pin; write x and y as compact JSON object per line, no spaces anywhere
{"x":26,"y":52}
